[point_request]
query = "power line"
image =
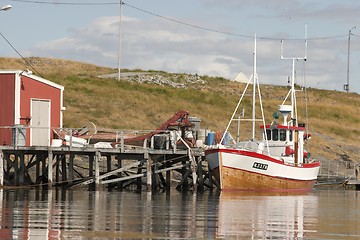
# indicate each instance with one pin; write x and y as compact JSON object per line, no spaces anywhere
{"x":222,"y":32}
{"x":67,"y":3}
{"x":12,"y":46}
{"x":177,"y":21}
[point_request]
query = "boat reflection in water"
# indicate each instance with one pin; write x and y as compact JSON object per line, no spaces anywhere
{"x":259,"y":215}
{"x":79,"y":214}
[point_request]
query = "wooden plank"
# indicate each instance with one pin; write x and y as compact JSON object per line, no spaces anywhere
{"x":353,"y":182}
{"x":112,"y":172}
{"x":171,"y":168}
{"x":124,"y":178}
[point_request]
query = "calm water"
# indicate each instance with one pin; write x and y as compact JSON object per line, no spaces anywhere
{"x":78,"y":214}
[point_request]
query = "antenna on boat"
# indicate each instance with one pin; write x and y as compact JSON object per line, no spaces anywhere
{"x":292,"y":90}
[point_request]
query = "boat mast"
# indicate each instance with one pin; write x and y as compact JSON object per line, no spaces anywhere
{"x":255,"y":80}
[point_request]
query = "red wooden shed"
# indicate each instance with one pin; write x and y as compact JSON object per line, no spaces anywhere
{"x":30,"y":107}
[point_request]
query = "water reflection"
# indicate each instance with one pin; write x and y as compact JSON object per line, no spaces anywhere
{"x":266,"y":216}
{"x":69,"y":214}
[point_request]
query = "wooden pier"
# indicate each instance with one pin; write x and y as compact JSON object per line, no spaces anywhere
{"x":115,"y":168}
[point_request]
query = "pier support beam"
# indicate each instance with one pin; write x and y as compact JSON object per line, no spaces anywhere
{"x":200,"y":173}
{"x":119,"y":175}
{"x":50,"y":165}
{"x":71,"y":168}
{"x":97,"y":170}
{"x":148,"y":171}
{"x":1,"y":168}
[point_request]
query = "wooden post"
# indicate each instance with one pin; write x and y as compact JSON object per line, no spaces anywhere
{"x":108,"y":163}
{"x":210,"y":178}
{"x":63,"y":168}
{"x":168,"y":164}
{"x":22,"y":169}
{"x":57,"y":168}
{"x":37,"y":167}
{"x":50,"y":165}
{"x":185,"y":184}
{"x":71,"y":168}
{"x":91,"y":165}
{"x":97,"y":170}
{"x":122,"y":147}
{"x":200,"y":173}
{"x":119,"y":163}
{"x":154,"y":178}
{"x":16,"y":169}
{"x":1,"y":168}
{"x":148,"y":170}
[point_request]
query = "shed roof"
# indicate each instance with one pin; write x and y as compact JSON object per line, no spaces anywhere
{"x":32,"y":76}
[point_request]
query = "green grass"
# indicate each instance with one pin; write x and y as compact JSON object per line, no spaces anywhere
{"x":124,"y":105}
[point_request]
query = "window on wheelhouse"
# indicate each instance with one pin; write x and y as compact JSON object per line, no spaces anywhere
{"x":275,"y":134}
{"x":268,"y":134}
{"x":282,"y":134}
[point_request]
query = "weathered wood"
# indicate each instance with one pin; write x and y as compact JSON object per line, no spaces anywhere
{"x":37,"y":166}
{"x":50,"y":165}
{"x":22,"y":169}
{"x":63,"y":169}
{"x":97,"y":169}
{"x":44,"y":165}
{"x":168,"y":175}
{"x":112,"y":173}
{"x":148,"y":171}
{"x":119,"y":163}
{"x":1,"y":168}
{"x":71,"y":168}
{"x":124,"y":178}
{"x":91,"y":165}
{"x":200,"y":174}
{"x":57,"y":168}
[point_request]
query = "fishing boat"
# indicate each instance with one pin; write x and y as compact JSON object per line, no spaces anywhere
{"x":278,"y":161}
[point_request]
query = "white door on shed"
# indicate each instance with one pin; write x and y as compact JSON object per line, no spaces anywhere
{"x":40,"y":122}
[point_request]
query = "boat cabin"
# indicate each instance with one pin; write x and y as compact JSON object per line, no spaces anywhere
{"x":286,"y":141}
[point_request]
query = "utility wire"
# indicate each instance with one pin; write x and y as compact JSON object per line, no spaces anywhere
{"x":226,"y":33}
{"x":176,"y":21}
{"x":67,"y":3}
{"x":12,"y":46}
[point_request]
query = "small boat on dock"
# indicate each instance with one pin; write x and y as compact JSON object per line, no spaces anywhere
{"x":278,"y":161}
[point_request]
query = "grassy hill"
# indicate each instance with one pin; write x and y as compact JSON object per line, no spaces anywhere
{"x":333,"y":116}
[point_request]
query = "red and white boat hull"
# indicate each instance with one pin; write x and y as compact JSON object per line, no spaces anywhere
{"x":246,"y":170}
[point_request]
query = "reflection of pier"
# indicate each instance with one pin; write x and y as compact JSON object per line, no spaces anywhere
{"x":114,"y":167}
{"x":66,"y":214}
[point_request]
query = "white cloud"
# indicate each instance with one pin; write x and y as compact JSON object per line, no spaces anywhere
{"x":164,"y":45}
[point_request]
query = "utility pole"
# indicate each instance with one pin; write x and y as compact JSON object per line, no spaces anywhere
{"x":347,"y":85}
{"x":120,"y":31}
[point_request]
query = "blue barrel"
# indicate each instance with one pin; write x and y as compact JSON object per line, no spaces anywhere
{"x":210,"y":138}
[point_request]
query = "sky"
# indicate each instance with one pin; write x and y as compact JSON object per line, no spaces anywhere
{"x":205,"y":37}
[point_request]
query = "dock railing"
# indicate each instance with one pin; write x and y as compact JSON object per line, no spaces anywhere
{"x":338,"y":171}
